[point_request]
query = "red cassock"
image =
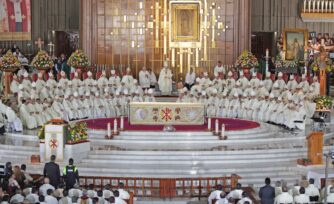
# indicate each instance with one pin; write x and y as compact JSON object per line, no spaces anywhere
{"x":11,"y":16}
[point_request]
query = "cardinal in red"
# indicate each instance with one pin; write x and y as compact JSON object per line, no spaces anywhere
{"x":18,"y":15}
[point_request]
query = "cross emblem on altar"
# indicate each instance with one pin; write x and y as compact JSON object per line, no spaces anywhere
{"x":166,"y":114}
{"x":53,"y":143}
{"x":39,"y":42}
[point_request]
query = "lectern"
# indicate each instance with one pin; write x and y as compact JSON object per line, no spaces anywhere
{"x":315,"y":144}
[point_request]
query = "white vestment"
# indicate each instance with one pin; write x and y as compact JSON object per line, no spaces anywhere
{"x":165,"y":81}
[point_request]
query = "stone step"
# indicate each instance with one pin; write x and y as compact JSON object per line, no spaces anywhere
{"x":214,"y":161}
{"x":158,"y":158}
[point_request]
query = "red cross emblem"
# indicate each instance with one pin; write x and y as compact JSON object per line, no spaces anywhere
{"x":53,"y":143}
{"x":166,"y":114}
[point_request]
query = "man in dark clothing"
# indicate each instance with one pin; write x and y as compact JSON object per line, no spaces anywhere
{"x":267,"y":193}
{"x":51,"y":170}
{"x":70,"y":174}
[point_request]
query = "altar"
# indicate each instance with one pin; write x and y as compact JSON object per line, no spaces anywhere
{"x":162,"y":113}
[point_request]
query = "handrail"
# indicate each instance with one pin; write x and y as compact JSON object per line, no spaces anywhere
{"x":162,"y":187}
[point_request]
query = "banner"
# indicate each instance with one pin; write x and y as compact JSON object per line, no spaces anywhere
{"x":166,"y":113}
{"x":15,"y":20}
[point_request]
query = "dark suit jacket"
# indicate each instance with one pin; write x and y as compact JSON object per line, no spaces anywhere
{"x":267,"y":194}
{"x":52,"y":171}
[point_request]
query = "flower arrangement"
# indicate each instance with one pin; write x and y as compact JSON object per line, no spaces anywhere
{"x":317,"y":63}
{"x":9,"y":61}
{"x":246,"y":59}
{"x":78,"y":59}
{"x":42,"y":60}
{"x":323,"y":102}
{"x":77,"y":133}
{"x":280,"y":63}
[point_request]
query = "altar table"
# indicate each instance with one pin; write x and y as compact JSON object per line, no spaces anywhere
{"x":162,"y":113}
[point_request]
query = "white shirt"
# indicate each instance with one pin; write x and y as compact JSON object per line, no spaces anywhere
{"x":214,"y":195}
{"x":190,"y":78}
{"x":302,"y":198}
{"x":18,"y":197}
{"x":44,"y":188}
{"x":284,"y":197}
{"x":311,"y":190}
{"x":119,"y":201}
{"x":50,"y":200}
{"x":123,"y":194}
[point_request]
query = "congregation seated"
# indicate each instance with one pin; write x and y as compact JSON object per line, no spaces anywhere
{"x":14,"y":189}
{"x":289,"y":105}
{"x":76,"y":99}
{"x":284,"y":197}
{"x":312,"y":191}
{"x":216,"y":194}
{"x":302,"y":197}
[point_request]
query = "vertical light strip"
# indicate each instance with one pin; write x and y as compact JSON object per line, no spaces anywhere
{"x":196,"y":56}
{"x":157,"y":24}
{"x":165,"y":28}
{"x":205,"y":29}
{"x":189,"y":59}
{"x":213,"y":23}
{"x":173,"y":57}
{"x":181,"y":60}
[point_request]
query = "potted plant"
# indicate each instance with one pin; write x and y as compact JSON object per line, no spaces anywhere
{"x":78,"y":60}
{"x":323,"y":102}
{"x":246,"y":61}
{"x":42,"y":61}
{"x":8,"y":64}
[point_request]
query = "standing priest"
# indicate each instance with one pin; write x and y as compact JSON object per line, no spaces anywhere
{"x":165,"y":80}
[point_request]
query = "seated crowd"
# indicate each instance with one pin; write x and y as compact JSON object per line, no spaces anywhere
{"x":300,"y":193}
{"x":72,"y":99}
{"x":289,"y":104}
{"x":17,"y":186}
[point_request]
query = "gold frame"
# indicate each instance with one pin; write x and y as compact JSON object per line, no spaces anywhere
{"x":289,"y":30}
{"x":195,"y":7}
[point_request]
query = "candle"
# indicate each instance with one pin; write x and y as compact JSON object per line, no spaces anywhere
{"x":305,"y":5}
{"x":122,"y":122}
{"x":217,"y":127}
{"x":326,"y":6}
{"x":109,"y":130}
{"x":267,"y":53}
{"x":322,"y":6}
{"x":223,"y":130}
{"x":309,"y":6}
{"x":314,"y":2}
{"x":209,"y":123}
{"x":318,"y":6}
{"x":115,"y":126}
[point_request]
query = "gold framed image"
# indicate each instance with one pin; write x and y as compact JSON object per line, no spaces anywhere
{"x":185,"y":18}
{"x":294,"y":44}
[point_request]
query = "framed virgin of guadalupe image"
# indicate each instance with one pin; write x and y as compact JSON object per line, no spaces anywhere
{"x":294,"y":44}
{"x":185,"y":18}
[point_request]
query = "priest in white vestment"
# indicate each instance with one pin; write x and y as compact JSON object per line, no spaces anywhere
{"x":144,"y":78}
{"x":165,"y":81}
{"x":127,"y":79}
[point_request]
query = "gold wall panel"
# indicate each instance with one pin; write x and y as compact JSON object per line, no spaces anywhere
{"x":135,"y":33}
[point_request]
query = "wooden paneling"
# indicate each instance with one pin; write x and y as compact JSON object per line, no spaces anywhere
{"x":48,"y":15}
{"x":275,"y":15}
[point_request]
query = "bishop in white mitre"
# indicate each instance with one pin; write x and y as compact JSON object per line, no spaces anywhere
{"x":14,"y":85}
{"x":165,"y":81}
{"x":127,"y":79}
{"x":144,"y":78}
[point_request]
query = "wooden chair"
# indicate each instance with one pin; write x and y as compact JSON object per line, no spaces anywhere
{"x":34,"y":77}
{"x":272,"y":77}
{"x":98,"y":75}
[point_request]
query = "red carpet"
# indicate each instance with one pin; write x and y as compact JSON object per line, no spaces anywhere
{"x":230,"y":125}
